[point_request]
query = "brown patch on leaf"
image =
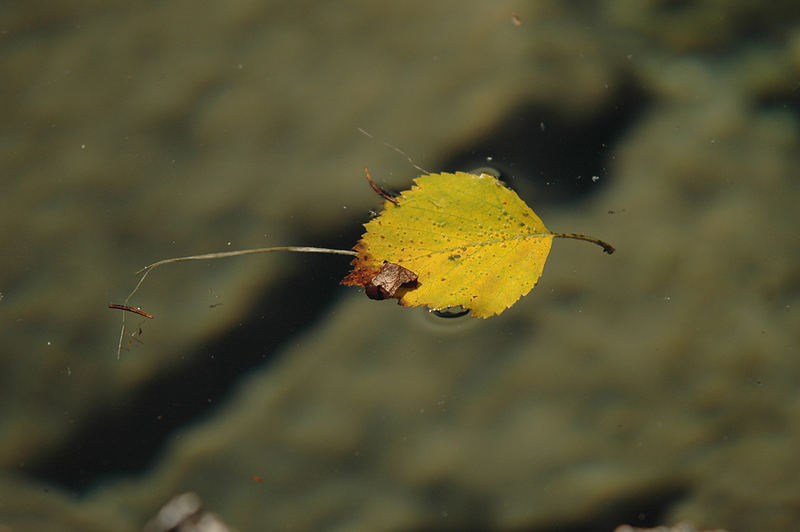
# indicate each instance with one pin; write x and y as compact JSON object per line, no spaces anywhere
{"x":388,"y":280}
{"x":365,"y":267}
{"x":360,"y":276}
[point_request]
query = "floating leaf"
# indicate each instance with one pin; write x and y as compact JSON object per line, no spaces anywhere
{"x":454,"y":241}
{"x":471,"y":242}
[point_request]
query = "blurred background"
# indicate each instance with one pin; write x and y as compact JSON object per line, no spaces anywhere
{"x":654,"y":386}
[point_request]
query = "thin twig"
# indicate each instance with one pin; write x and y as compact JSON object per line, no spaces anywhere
{"x":129,"y":308}
{"x":224,"y":254}
{"x":378,"y":189}
{"x":121,"y":336}
{"x":398,"y":150}
{"x":144,"y":272}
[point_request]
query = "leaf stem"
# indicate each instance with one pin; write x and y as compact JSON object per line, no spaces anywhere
{"x":608,"y":248}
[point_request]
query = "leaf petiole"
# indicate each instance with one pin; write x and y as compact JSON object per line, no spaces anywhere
{"x":608,"y":248}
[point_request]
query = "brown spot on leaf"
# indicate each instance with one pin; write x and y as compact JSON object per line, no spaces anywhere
{"x":364,"y":269}
{"x":388,"y":280}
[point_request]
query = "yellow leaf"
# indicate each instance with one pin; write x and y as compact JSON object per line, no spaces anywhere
{"x":471,"y":241}
{"x":453,"y":240}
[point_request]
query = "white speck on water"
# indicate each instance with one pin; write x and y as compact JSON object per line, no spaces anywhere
{"x":595,"y":178}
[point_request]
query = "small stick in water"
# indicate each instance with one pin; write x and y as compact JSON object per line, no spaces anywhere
{"x":144,"y":272}
{"x":129,"y":308}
